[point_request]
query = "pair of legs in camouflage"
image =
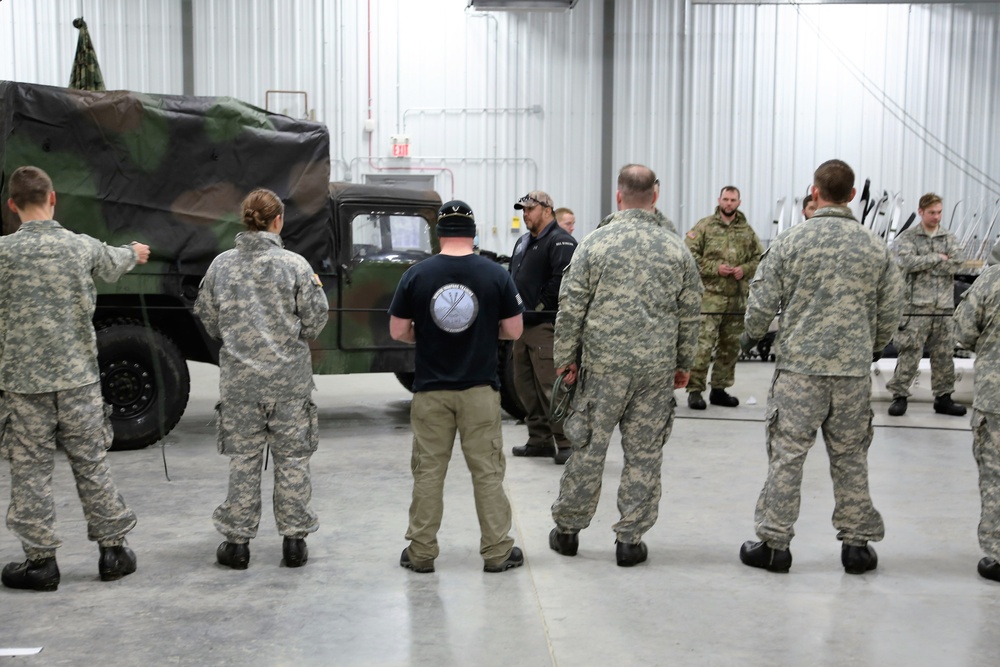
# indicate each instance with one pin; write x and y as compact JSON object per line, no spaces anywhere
{"x":933,"y":330}
{"x":474,"y":414}
{"x":719,"y":337}
{"x":76,"y":419}
{"x":534,"y":376}
{"x":797,"y":407}
{"x":642,"y":407}
{"x":291,"y":430}
{"x":986,"y":449}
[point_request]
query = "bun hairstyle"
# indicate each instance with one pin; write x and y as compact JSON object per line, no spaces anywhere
{"x":260,"y":208}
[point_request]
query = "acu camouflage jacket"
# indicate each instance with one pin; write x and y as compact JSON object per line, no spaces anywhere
{"x":47,"y":300}
{"x":630,"y":300}
{"x":264,"y":303}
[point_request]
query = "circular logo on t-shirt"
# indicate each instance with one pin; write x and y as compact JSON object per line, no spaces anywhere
{"x":454,"y":308}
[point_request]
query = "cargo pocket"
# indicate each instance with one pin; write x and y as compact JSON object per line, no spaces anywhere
{"x":107,"y":428}
{"x":221,"y":434}
{"x":770,"y":427}
{"x":4,"y":420}
{"x":307,"y":430}
{"x":870,"y":435}
{"x":980,"y":436}
{"x":496,"y":456}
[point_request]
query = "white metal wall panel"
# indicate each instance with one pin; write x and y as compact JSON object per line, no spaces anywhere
{"x":496,"y":104}
{"x":138,"y":42}
{"x":908,"y":95}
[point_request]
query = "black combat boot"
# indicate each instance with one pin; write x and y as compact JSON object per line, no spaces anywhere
{"x":628,"y":555}
{"x":295,"y":551}
{"x":564,"y":543}
{"x":943,"y":405}
{"x":32,"y":575}
{"x":515,"y":559}
{"x":423,"y":567}
{"x":898,"y":406}
{"x":758,"y":554}
{"x":562,"y":455}
{"x":695,"y":400}
{"x":858,"y":560}
{"x":236,"y":556}
{"x":116,"y":562}
{"x":718,"y":396}
{"x":988,"y":568}
{"x":531,"y":450}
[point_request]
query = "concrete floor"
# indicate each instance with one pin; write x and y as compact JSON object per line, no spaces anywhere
{"x":692,"y":603}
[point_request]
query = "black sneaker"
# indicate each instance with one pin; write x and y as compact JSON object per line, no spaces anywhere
{"x":988,"y":568}
{"x":562,"y":455}
{"x":422,"y":568}
{"x":758,"y":554}
{"x":515,"y":559}
{"x":695,"y":401}
{"x":231,"y":554}
{"x":898,"y":406}
{"x":531,"y":450}
{"x":943,"y":405}
{"x":295,"y":551}
{"x":720,"y":397}
{"x":858,"y":560}
{"x":628,"y":555}
{"x":32,"y":575}
{"x":116,"y":562}
{"x":565,"y":543}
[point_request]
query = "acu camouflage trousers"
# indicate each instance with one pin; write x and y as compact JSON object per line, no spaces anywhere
{"x":291,"y":430}
{"x":76,"y":419}
{"x":986,"y":449}
{"x":719,"y":337}
{"x":937,"y":333}
{"x":797,"y":406}
{"x":643,"y":409}
{"x":436,"y":416}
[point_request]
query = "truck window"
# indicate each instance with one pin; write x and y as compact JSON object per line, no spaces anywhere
{"x":386,"y":233}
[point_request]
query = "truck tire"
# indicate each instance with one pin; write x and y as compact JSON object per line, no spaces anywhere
{"x":405,"y":379}
{"x":505,"y":369}
{"x":145,"y":380}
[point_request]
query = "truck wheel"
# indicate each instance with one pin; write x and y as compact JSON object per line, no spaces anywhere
{"x":505,"y":369}
{"x":406,"y":379}
{"x":145,"y":380}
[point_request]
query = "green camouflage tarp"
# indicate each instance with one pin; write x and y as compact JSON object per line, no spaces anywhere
{"x":167,"y":170}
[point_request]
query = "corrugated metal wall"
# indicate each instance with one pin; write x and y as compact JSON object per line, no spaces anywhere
{"x":497,"y":104}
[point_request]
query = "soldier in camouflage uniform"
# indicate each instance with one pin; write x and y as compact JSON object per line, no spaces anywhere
{"x":265,"y":304}
{"x":631,"y":280}
{"x":727,"y":251}
{"x":49,"y":376}
{"x":977,"y":329}
{"x":929,"y":257}
{"x":838,"y":292}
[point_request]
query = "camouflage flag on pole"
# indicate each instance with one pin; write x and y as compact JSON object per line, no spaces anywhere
{"x":86,"y":73}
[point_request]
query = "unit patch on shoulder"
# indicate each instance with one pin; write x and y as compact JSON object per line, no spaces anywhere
{"x":692,"y":235}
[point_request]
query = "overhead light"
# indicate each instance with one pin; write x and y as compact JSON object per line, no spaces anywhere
{"x":516,"y":5}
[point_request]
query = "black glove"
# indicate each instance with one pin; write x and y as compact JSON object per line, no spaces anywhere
{"x":746,"y":344}
{"x":876,"y":356}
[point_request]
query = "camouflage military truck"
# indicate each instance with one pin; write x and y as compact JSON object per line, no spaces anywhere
{"x":170,"y":171}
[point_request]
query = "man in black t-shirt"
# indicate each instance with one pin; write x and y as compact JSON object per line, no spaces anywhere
{"x":455,"y":306}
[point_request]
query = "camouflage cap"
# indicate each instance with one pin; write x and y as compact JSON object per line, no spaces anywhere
{"x":533,"y":199}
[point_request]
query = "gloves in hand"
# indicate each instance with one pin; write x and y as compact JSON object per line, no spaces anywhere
{"x":746,"y":344}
